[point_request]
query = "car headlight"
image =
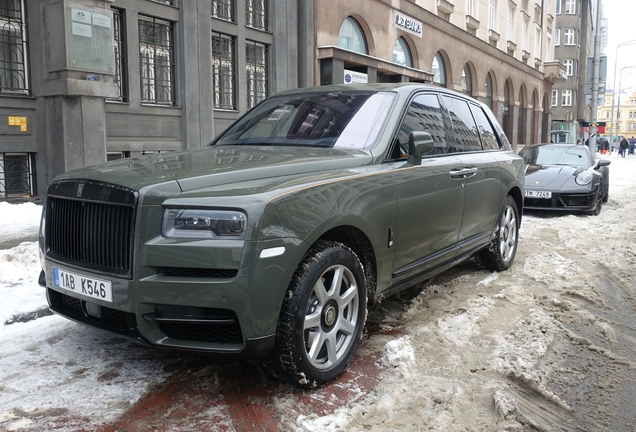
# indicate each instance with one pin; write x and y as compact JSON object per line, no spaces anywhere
{"x":583,"y":178}
{"x":203,"y":224}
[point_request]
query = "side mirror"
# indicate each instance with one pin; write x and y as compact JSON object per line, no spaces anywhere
{"x":602,"y":163}
{"x":420,"y":143}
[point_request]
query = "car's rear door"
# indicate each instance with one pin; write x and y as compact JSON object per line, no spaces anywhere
{"x":482,"y":201}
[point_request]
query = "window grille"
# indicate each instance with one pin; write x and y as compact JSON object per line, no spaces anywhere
{"x":17,"y":174}
{"x":156,"y":59}
{"x":256,"y":65}
{"x":13,"y":48}
{"x":256,"y":14}
{"x":119,"y":78}
{"x":223,"y":9}
{"x":223,"y":70}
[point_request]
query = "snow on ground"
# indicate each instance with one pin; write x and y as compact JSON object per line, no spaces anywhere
{"x":480,"y":350}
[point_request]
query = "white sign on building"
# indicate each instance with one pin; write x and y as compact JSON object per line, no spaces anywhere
{"x":408,"y":24}
{"x":351,"y":77}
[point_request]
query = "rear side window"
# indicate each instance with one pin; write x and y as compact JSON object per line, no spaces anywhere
{"x":464,"y":127}
{"x":487,"y":133}
{"x":424,"y":114}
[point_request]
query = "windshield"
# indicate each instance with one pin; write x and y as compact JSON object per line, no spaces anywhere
{"x":578,"y":156}
{"x":344,"y":119}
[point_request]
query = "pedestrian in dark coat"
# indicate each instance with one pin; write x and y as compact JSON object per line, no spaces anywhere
{"x":623,"y":148}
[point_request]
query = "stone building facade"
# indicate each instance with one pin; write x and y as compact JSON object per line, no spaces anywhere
{"x":84,"y":81}
{"x":500,"y":52}
{"x":573,"y":38}
{"x":180,"y":72}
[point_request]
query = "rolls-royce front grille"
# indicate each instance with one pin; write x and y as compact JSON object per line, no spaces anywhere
{"x":94,"y":227}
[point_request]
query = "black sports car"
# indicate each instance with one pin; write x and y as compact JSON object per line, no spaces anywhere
{"x":564,"y":177}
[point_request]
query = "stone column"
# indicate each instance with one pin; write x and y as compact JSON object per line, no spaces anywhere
{"x":72,"y":74}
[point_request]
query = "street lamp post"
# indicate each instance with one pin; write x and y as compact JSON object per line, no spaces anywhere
{"x":618,"y":109}
{"x":614,"y":86}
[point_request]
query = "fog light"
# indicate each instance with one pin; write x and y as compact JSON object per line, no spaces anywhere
{"x":93,"y":310}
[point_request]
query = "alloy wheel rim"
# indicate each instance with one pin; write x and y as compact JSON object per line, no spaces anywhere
{"x":331,"y":317}
{"x":508,"y":234}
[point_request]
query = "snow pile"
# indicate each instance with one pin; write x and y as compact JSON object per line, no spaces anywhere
{"x":19,"y":221}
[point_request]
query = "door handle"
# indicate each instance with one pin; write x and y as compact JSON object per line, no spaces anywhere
{"x":463,"y":173}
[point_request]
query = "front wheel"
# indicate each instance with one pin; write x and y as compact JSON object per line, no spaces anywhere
{"x":322,"y":317}
{"x":500,"y":254}
{"x":600,"y":199}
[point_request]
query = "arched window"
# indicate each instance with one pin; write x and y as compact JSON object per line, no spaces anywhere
{"x":439,"y":70}
{"x":351,"y":37}
{"x":467,"y":81}
{"x":488,"y":91}
{"x":506,"y":121}
{"x":401,"y":53}
{"x":521,"y":118}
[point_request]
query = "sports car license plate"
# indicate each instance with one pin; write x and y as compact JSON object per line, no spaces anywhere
{"x":538,"y":194}
{"x":96,"y":288}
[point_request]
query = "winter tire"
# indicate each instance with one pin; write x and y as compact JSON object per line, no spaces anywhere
{"x":321,"y":318}
{"x":600,"y":199}
{"x":500,"y":254}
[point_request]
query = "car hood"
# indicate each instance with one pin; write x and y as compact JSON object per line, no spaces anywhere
{"x":213,"y":166}
{"x":550,"y":176}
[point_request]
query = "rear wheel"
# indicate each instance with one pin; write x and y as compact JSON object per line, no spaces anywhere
{"x":322,"y":317}
{"x":501,"y":252}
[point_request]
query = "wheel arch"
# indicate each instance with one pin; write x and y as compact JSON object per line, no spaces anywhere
{"x":516,"y":195}
{"x":360,"y":244}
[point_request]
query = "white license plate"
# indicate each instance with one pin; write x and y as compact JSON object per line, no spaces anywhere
{"x":538,"y":194}
{"x":96,"y":288}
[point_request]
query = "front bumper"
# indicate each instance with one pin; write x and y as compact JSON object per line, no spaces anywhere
{"x":228,"y":314}
{"x":124,"y":324}
{"x":564,"y":201}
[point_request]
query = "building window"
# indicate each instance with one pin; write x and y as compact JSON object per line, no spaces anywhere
{"x":568,"y":37}
{"x":488,"y":89}
{"x":13,"y":48}
{"x":491,"y":15}
{"x":256,"y":14}
{"x":156,"y":60}
{"x":256,"y":65}
{"x":510,"y":25}
{"x":402,"y":53}
{"x":223,"y":71}
{"x":555,"y":98}
{"x":438,"y":69}
{"x":566,"y":98}
{"x":17,"y":174}
{"x":570,"y":7}
{"x":521,"y":118}
{"x":351,"y":37}
{"x":569,"y":67}
{"x":524,"y":42}
{"x":120,"y":75}
{"x":557,"y":37}
{"x":469,"y":7}
{"x":558,"y":7}
{"x":168,"y":2}
{"x":223,"y":9}
{"x":537,"y":42}
{"x":467,"y":81}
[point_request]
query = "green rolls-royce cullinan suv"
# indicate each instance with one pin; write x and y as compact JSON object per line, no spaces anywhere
{"x":271,"y":241}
